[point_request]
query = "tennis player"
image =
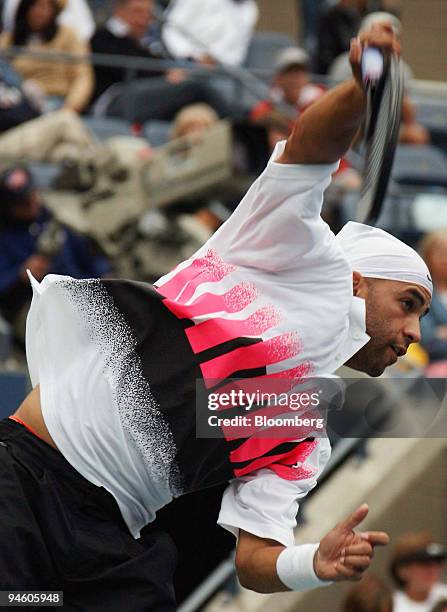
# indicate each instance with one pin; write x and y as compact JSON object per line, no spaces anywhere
{"x":107,"y":436}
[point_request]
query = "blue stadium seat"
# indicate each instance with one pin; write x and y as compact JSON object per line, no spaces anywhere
{"x":264,"y":48}
{"x":44,"y":174}
{"x":107,"y":127}
{"x":433,"y":115}
{"x":5,"y":339}
{"x":420,"y":165}
{"x":157,"y":132}
{"x":13,"y":389}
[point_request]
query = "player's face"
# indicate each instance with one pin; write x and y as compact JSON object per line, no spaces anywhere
{"x":393,"y":313}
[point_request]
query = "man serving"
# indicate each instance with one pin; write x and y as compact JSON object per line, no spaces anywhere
{"x":272,"y":295}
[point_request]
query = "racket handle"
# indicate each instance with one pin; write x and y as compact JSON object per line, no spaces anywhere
{"x":372,"y":65}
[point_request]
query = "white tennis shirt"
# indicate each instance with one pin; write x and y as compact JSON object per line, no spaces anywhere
{"x":275,"y":255}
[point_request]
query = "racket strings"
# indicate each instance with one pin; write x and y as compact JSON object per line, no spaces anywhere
{"x":384,"y":107}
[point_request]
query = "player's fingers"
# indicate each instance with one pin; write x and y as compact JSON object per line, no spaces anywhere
{"x":376,"y":538}
{"x":347,"y":573}
{"x":356,"y":49}
{"x":361,"y":562}
{"x":354,"y":519}
{"x":365,"y":548}
{"x":379,"y":38}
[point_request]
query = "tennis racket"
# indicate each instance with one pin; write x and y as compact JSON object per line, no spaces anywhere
{"x":384,"y":84}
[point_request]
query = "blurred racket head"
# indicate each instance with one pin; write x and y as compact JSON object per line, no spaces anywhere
{"x":381,"y":132}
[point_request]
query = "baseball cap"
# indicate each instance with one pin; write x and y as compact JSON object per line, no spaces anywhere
{"x":415,"y":548}
{"x":16,"y":184}
{"x":291,"y":56}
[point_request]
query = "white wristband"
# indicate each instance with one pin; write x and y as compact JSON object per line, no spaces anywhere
{"x":295,"y":568}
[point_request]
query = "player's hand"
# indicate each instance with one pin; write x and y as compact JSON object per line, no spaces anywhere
{"x":344,"y":554}
{"x":38,"y":265}
{"x":380,"y":36}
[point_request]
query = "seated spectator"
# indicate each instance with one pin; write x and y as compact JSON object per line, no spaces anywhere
{"x":291,"y":86}
{"x":30,"y":239}
{"x":370,"y":595}
{"x":178,"y":230}
{"x":67,"y":84}
{"x":76,"y":14}
{"x":433,"y":249}
{"x":211,"y":31}
{"x":411,"y":132}
{"x":150,"y":98}
{"x":337,"y":25}
{"x":196,"y":119}
{"x":193,"y":119}
{"x":416,"y":567}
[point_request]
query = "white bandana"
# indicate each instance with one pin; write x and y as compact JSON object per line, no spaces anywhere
{"x":376,"y":254}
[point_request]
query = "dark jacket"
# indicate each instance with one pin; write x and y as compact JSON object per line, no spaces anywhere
{"x":18,"y":241}
{"x":336,"y":27}
{"x":104,"y":41}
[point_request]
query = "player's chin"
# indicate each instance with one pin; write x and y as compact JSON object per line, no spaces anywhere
{"x":382,"y":362}
{"x":378,"y":368}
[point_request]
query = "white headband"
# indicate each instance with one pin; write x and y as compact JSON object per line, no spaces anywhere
{"x":376,"y":254}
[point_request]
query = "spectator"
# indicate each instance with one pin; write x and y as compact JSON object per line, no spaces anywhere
{"x":433,"y":249}
{"x":32,"y":240}
{"x":370,"y":595}
{"x":178,"y":230}
{"x":411,"y":132}
{"x":441,"y":606}
{"x":76,"y":14}
{"x":291,"y":86}
{"x":197,"y":119}
{"x":193,"y":119}
{"x":337,"y":25}
{"x":416,"y":567}
{"x":212,"y":31}
{"x":35,"y":29}
{"x":16,"y":105}
{"x":309,"y":12}
{"x":151,"y":98}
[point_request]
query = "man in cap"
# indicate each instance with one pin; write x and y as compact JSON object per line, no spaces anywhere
{"x":291,"y":87}
{"x":30,"y":239}
{"x":273,"y":297}
{"x":417,"y":563}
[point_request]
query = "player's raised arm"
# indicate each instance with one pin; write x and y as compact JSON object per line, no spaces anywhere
{"x":324,"y":132}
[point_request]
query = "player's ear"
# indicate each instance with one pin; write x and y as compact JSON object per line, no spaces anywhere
{"x":359,"y":285}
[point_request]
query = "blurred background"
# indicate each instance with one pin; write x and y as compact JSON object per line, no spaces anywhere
{"x":130,"y":130}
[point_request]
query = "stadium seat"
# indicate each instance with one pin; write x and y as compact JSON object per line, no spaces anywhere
{"x":44,"y":174}
{"x":5,"y":339}
{"x":433,"y":115}
{"x":107,"y":127}
{"x":420,"y":165}
{"x":157,"y":133}
{"x":13,"y":389}
{"x":263,"y":49}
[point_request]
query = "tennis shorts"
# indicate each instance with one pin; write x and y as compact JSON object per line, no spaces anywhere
{"x":60,"y":532}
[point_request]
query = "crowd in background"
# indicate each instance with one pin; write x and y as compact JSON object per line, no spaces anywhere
{"x":43,"y":104}
{"x":415,"y":582}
